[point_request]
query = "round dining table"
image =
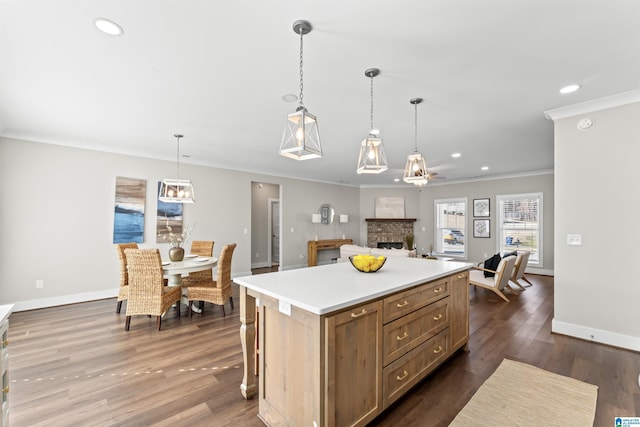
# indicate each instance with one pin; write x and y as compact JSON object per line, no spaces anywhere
{"x":191,"y":263}
{"x":175,"y":269}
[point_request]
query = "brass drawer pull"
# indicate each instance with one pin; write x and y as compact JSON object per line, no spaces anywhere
{"x":438,"y":317}
{"x":438,"y":350}
{"x":5,"y":343}
{"x":437,"y":290}
{"x":460,"y":276}
{"x":404,"y":375}
{"x":6,"y":390}
{"x":363,"y":312}
{"x":400,"y":338}
{"x":404,"y":304}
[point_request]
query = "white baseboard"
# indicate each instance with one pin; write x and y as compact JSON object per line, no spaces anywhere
{"x":262,"y":264}
{"x":596,"y":335}
{"x":35,"y":304}
{"x":540,"y":271}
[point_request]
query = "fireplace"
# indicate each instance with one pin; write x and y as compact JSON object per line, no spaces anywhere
{"x":390,"y":245}
{"x":388,"y":231}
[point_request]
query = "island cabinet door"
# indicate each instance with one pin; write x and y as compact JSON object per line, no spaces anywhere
{"x":459,"y":310}
{"x":354,"y":365}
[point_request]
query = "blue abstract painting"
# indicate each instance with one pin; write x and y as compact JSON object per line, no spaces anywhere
{"x":128,"y":218}
{"x":171,"y":212}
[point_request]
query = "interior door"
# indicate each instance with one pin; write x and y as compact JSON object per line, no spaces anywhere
{"x":275,"y":231}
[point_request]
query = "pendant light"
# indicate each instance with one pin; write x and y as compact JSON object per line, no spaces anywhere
{"x":415,"y":171}
{"x":372,"y":157}
{"x":301,"y":140}
{"x":176,"y":190}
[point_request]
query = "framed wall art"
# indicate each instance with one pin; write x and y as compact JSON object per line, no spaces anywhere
{"x":128,"y":219}
{"x":481,"y":228}
{"x":481,"y":207}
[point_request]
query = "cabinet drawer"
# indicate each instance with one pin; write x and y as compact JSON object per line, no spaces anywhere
{"x":405,"y":372}
{"x":405,"y":302}
{"x":408,"y":332}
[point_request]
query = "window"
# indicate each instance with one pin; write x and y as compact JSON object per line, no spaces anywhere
{"x":451,"y":221}
{"x":520,"y":224}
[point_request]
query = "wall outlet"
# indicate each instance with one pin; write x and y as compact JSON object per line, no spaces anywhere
{"x":257,"y":254}
{"x":39,"y":284}
{"x":301,"y":256}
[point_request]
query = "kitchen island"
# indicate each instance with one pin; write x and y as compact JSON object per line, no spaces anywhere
{"x":338,"y":346}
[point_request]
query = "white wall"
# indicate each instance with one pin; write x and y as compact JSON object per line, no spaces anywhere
{"x":57,"y":218}
{"x":419,"y":204}
{"x":597,"y":176}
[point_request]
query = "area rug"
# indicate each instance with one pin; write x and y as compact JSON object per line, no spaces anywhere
{"x":517,"y":394}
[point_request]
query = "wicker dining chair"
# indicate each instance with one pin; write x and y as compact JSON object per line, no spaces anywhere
{"x":147,"y":293}
{"x":201,"y":248}
{"x":123,"y":293}
{"x":215,"y":291}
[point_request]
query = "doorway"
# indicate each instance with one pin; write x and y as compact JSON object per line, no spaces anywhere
{"x":265,"y":227}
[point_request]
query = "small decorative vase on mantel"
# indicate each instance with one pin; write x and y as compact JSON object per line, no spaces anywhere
{"x":176,"y":254}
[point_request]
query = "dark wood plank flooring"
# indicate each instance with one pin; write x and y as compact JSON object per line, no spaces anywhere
{"x":76,"y":366}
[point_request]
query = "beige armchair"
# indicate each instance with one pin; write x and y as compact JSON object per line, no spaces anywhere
{"x":497,"y":283}
{"x":518,"y":270}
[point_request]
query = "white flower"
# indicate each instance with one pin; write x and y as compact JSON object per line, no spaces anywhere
{"x":177,"y":240}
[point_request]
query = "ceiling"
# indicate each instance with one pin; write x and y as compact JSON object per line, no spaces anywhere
{"x":217,"y":71}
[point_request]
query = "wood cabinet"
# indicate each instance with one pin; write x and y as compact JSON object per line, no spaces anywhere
{"x":344,"y":368}
{"x":313,"y":246}
{"x":354,"y":365}
{"x":4,"y":363}
{"x":460,"y":310}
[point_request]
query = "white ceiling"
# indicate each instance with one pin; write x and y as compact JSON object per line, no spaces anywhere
{"x":216,"y":71}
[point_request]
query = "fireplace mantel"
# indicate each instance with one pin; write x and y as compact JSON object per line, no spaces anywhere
{"x":390,"y":219}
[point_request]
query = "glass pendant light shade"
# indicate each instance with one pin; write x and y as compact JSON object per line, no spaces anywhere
{"x":176,"y":190}
{"x":372,"y":158}
{"x":415,"y":170}
{"x":301,"y":139}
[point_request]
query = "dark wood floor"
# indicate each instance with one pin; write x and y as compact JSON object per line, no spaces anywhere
{"x":76,"y":366}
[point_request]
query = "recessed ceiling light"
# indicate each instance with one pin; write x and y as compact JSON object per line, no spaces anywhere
{"x":570,"y":88}
{"x":289,"y":97}
{"x":396,"y":179}
{"x":108,"y":27}
{"x":456,"y":155}
{"x":485,"y":168}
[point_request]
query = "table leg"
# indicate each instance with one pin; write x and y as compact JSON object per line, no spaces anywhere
{"x":247,"y":337}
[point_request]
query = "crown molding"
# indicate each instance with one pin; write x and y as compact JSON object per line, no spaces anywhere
{"x":594,"y":105}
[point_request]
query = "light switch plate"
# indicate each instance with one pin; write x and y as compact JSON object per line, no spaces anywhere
{"x":574,"y":239}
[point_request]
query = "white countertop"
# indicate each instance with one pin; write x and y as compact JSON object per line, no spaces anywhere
{"x":5,"y":311}
{"x":328,"y":288}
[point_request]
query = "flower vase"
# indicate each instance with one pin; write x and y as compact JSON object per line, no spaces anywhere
{"x":176,"y":254}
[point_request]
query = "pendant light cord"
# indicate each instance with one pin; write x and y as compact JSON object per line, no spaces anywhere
{"x":371,"y":127}
{"x":178,"y":156}
{"x":301,"y":74}
{"x":415,"y":127}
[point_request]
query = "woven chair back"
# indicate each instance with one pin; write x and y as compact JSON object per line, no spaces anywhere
{"x":224,"y":266}
{"x":120,"y":247}
{"x":202,"y":248}
{"x":145,"y":281}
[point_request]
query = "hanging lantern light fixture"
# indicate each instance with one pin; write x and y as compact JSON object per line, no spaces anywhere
{"x":415,"y":171}
{"x":372,"y":158}
{"x":176,"y":190}
{"x":301,"y":139}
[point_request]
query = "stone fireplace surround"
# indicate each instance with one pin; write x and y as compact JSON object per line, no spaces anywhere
{"x":388,"y":231}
